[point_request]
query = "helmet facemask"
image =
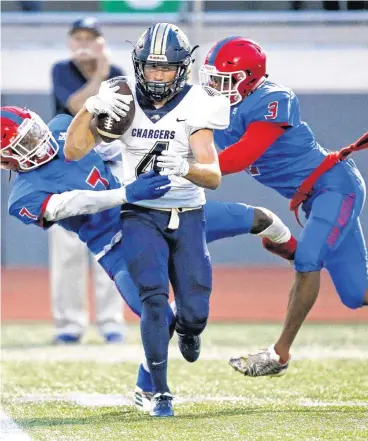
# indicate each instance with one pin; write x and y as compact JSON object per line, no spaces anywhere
{"x":32,"y":146}
{"x":160,"y":90}
{"x":227,"y":83}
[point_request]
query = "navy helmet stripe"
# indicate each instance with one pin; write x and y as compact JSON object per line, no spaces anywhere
{"x":216,"y":50}
{"x":13,"y":117}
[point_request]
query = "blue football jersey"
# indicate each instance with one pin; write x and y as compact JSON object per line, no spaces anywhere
{"x":293,"y":156}
{"x":31,"y":191}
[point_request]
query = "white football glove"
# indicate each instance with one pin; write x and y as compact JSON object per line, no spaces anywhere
{"x":108,"y":101}
{"x":172,"y":164}
{"x":109,"y":151}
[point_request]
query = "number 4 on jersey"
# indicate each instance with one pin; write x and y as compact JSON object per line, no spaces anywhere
{"x":149,"y":161}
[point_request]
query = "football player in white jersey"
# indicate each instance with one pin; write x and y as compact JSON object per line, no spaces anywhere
{"x":172,"y":133}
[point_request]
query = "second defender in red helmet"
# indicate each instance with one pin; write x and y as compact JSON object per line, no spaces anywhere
{"x":236,"y":67}
{"x":267,"y":137}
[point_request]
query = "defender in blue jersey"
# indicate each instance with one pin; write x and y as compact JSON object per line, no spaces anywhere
{"x":267,"y":137}
{"x":84,"y":197}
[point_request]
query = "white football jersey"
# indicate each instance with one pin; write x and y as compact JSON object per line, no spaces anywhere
{"x":155,"y":130}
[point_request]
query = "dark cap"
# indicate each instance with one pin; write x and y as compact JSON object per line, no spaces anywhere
{"x":87,"y":23}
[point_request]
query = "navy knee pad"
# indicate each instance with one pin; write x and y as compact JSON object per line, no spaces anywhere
{"x":192,"y":318}
{"x":154,"y":309}
{"x":154,"y":329}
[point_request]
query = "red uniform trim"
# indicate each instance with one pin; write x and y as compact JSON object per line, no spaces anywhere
{"x":306,"y":188}
{"x":257,"y":139}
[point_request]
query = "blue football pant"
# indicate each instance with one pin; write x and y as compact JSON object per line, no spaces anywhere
{"x":155,"y":255}
{"x":333,"y":237}
{"x":222,"y":220}
{"x":225,"y":219}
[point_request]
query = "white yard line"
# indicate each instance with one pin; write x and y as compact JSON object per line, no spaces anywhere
{"x":310,"y":403}
{"x":134,"y":353}
{"x":9,"y":431}
{"x":110,"y":400}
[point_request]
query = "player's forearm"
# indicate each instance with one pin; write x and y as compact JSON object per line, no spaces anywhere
{"x":78,"y":202}
{"x":205,"y":172}
{"x":204,"y":175}
{"x":79,"y":138}
{"x":77,"y":100}
{"x":258,"y":138}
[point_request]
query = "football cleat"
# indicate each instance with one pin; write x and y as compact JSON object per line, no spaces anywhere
{"x":265,"y":363}
{"x":114,"y":337}
{"x":190,"y":346}
{"x":142,"y":400}
{"x":143,"y":390}
{"x":161,"y":405}
{"x":66,"y":339}
{"x":285,"y":250}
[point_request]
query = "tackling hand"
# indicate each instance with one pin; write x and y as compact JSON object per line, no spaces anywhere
{"x":148,"y":186}
{"x":172,"y":164}
{"x":108,"y":101}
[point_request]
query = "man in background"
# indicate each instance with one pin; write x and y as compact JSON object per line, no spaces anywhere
{"x":73,"y":81}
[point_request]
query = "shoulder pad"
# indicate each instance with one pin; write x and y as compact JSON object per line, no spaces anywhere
{"x":60,"y":123}
{"x":211,"y":109}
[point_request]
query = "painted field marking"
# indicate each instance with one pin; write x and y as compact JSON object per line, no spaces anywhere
{"x":134,"y":353}
{"x":112,"y":400}
{"x":9,"y":430}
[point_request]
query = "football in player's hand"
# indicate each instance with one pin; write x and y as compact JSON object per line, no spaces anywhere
{"x":109,"y":129}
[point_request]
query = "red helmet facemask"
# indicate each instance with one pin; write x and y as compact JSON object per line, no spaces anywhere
{"x":235,"y":67}
{"x":26,"y":141}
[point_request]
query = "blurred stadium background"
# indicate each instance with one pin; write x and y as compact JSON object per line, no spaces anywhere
{"x":319,"y":52}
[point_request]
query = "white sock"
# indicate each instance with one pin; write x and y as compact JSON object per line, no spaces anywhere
{"x":173,"y":307}
{"x":145,"y":364}
{"x":277,"y":232}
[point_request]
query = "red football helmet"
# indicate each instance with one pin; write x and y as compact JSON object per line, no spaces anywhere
{"x":26,"y":141}
{"x":235,"y":66}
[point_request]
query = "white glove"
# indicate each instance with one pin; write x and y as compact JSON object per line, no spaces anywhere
{"x":109,"y":151}
{"x":172,"y":164}
{"x":108,"y":101}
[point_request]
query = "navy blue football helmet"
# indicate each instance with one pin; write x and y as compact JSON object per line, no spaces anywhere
{"x":162,"y":44}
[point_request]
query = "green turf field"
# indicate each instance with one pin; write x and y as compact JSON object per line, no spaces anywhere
{"x":85,"y":392}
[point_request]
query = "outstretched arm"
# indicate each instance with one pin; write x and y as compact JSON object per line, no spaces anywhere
{"x":257,"y":139}
{"x":43,"y":209}
{"x":77,"y":202}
